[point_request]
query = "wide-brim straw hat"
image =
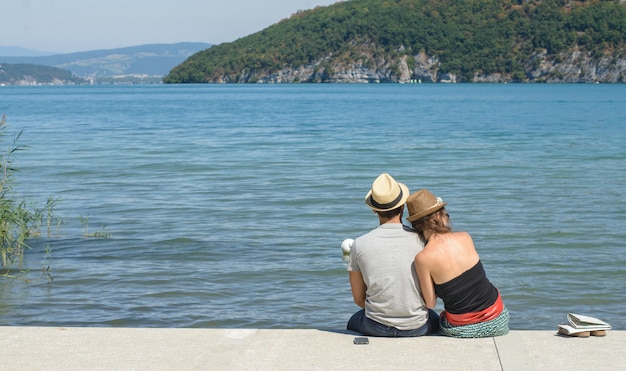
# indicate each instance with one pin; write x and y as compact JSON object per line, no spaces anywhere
{"x":386,"y":194}
{"x":422,"y":203}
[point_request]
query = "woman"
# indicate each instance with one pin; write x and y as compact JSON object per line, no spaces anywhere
{"x":449,"y":267}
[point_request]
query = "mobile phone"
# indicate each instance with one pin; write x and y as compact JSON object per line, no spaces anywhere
{"x":361,"y":341}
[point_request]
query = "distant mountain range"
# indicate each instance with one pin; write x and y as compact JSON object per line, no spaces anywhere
{"x":154,"y":60}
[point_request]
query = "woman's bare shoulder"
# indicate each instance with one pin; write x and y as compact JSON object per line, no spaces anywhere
{"x":433,"y":250}
{"x":466,"y":246}
{"x":463,"y":236}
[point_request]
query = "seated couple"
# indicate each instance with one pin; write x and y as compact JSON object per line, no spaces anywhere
{"x":397,"y":273}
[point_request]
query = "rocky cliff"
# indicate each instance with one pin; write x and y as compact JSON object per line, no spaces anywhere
{"x":571,"y":67}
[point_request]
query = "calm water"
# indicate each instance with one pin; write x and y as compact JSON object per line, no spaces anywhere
{"x":225,"y":206}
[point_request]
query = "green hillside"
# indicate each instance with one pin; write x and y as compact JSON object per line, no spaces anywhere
{"x":464,"y":37}
{"x":32,"y":74}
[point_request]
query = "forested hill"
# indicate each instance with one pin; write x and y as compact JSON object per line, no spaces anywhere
{"x":32,"y":74}
{"x":428,"y":41}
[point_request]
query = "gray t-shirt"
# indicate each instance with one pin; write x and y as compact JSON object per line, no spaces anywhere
{"x":385,"y":257}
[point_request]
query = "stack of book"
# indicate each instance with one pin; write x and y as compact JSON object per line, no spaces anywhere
{"x":583,"y":326}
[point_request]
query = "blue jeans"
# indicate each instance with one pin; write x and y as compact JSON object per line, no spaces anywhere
{"x":361,"y":324}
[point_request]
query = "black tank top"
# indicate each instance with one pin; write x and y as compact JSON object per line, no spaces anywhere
{"x":469,"y":292}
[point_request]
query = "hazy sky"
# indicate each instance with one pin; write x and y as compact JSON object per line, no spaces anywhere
{"x":66,"y":26}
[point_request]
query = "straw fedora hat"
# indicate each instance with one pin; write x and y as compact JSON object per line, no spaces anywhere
{"x":386,"y":194}
{"x":422,"y":203}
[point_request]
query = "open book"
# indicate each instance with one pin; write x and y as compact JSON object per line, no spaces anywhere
{"x":578,"y":324}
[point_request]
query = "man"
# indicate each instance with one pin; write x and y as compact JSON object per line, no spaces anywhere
{"x":382,"y":274}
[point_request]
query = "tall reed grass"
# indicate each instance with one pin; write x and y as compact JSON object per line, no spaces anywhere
{"x":19,"y":220}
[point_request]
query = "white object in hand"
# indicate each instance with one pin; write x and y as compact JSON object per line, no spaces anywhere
{"x":346,"y":245}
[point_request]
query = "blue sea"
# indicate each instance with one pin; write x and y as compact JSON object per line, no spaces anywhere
{"x":225,"y":205}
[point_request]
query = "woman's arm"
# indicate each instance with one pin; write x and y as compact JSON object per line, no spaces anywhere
{"x":426,"y":282}
{"x":358,"y":288}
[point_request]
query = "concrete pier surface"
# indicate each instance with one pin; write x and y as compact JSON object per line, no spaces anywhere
{"x":79,"y":348}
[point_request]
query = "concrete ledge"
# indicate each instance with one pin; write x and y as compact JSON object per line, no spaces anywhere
{"x":53,"y":348}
